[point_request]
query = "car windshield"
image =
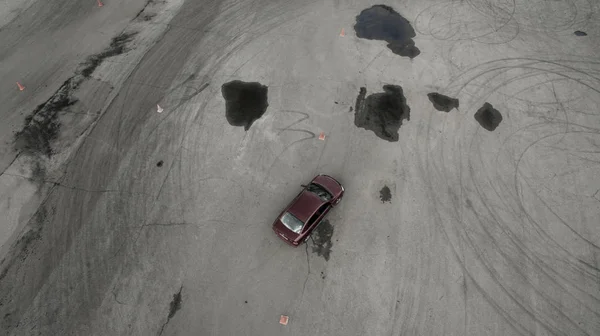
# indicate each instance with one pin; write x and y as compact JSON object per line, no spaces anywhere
{"x":319,"y":191}
{"x":291,"y":222}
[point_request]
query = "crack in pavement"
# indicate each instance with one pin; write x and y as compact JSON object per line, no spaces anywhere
{"x":307,"y":273}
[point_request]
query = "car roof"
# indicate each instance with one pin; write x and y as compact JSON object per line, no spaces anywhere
{"x":305,"y":205}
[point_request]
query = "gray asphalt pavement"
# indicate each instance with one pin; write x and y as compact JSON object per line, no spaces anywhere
{"x":131,"y":206}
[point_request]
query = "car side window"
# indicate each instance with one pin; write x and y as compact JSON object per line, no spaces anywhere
{"x":319,"y":212}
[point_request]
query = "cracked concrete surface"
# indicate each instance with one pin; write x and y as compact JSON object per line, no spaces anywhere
{"x":486,"y":233}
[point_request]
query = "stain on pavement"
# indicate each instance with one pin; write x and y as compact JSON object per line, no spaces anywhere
{"x":580,"y":33}
{"x":383,"y":23}
{"x":382,"y":112}
{"x":321,"y":238}
{"x":360,"y":99}
{"x":175,"y":304}
{"x":385,"y":194}
{"x":42,"y":125}
{"x":245,"y":102}
{"x":173,"y":308}
{"x":116,"y":47}
{"x":488,"y":117}
{"x":441,"y":102}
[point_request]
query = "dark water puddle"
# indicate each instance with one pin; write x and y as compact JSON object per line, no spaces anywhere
{"x":385,"y":194}
{"x":488,"y":117}
{"x":383,"y":23}
{"x":160,"y":163}
{"x":441,"y":102}
{"x":580,"y":33}
{"x":321,"y":239}
{"x":245,"y":102}
{"x":382,"y":112}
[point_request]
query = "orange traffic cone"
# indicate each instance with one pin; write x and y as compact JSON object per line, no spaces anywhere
{"x":322,"y":136}
{"x":100,"y":4}
{"x":21,"y":87}
{"x":342,"y":33}
{"x":284,"y":320}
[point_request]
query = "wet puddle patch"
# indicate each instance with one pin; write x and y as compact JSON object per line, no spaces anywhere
{"x":580,"y":33}
{"x":383,"y":23}
{"x":245,"y":102}
{"x":321,"y":239}
{"x":488,"y":117}
{"x":441,"y":102}
{"x":382,"y":112}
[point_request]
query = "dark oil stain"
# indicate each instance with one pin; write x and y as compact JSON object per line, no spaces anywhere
{"x":321,"y":239}
{"x":173,"y":308}
{"x":350,"y":109}
{"x":383,"y":23}
{"x":159,"y":163}
{"x":441,"y":102}
{"x":322,"y":275}
{"x":360,"y":99}
{"x":382,"y":112}
{"x":580,"y":33}
{"x":116,"y":47}
{"x":245,"y":102}
{"x":42,"y":126}
{"x":488,"y":117}
{"x":175,"y":304}
{"x":336,"y":103}
{"x":385,"y":194}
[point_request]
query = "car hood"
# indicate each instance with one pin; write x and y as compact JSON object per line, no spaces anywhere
{"x":305,"y":205}
{"x":328,"y":183}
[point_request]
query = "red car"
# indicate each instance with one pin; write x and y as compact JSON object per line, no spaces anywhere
{"x":295,"y":224}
